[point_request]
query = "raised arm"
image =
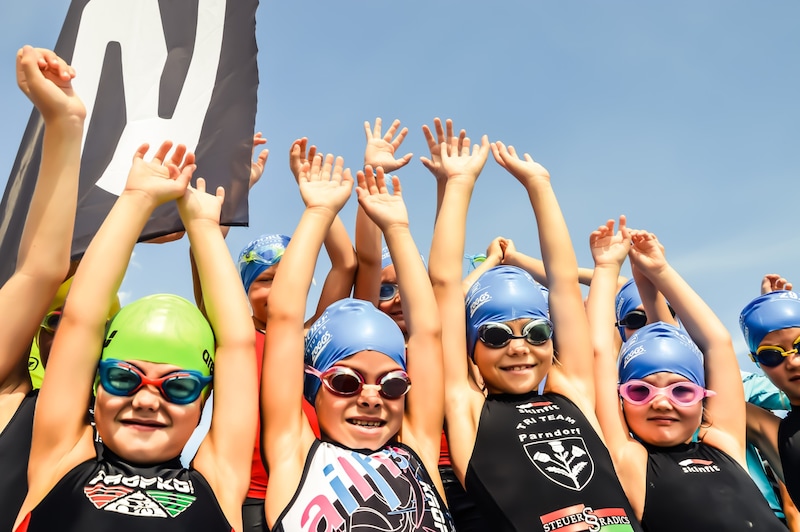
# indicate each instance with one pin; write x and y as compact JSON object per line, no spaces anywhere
{"x":339,"y":281}
{"x":285,"y":433}
{"x":44,"y":251}
{"x":494,"y":257}
{"x":573,"y":377}
{"x":424,"y":413}
{"x":379,"y":152}
{"x":609,"y":251}
{"x":224,"y":456}
{"x":434,"y":162}
{"x":463,"y":396}
{"x":62,"y":436}
{"x":256,"y":171}
{"x":726,"y":410}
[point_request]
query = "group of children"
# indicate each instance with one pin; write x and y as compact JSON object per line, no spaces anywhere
{"x":625,"y":412}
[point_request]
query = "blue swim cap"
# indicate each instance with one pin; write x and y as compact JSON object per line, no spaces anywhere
{"x":259,"y":255}
{"x":627,"y":300}
{"x":503,"y":293}
{"x":661,"y":347}
{"x":767,"y":313}
{"x":386,"y":258}
{"x":347,"y":327}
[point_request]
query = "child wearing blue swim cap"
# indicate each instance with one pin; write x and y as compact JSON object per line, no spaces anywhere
{"x":157,"y":358}
{"x":666,"y":385}
{"x":380,"y":410}
{"x":532,"y":461}
{"x":770,"y":324}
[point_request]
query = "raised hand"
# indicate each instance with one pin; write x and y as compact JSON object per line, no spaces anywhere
{"x":298,"y":156}
{"x":198,"y":205}
{"x":325,"y":185}
{"x":609,"y":247}
{"x":158,"y":179}
{"x":458,"y":162}
{"x":509,"y":250}
{"x":381,"y":149}
{"x":646,"y":253}
{"x":257,"y":166}
{"x":385,"y":208}
{"x":496,"y":248}
{"x":772,"y":282}
{"x":434,"y":163}
{"x":525,"y":169}
{"x":46,"y":80}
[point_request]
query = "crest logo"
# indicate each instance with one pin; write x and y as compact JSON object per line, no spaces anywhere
{"x":565,"y":461}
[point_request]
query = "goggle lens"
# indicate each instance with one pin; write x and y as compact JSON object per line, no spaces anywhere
{"x":388,"y":291}
{"x":51,"y":321}
{"x":773,"y":355}
{"x":679,"y":393}
{"x":635,"y":319}
{"x":180,"y":387}
{"x":346,"y":382}
{"x":497,"y":335}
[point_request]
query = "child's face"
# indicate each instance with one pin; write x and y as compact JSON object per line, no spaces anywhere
{"x":145,"y":428}
{"x":392,"y":307}
{"x":660,"y":421}
{"x":366,"y":420}
{"x":517,"y":367}
{"x":786,"y":375}
{"x":258,"y":294}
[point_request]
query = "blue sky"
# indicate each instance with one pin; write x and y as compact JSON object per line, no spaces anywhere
{"x":682,"y":115}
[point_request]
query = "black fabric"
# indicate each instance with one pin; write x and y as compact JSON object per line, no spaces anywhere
{"x":538,"y":465}
{"x":109,"y":494}
{"x":789,"y":448}
{"x":15,"y":446}
{"x":696,"y":487}
{"x":466,"y":514}
{"x":253,"y":519}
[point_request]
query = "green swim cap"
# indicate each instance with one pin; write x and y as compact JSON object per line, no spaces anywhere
{"x":161,"y":328}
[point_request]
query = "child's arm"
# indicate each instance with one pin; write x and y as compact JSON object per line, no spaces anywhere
{"x":62,"y":436}
{"x":424,"y":413}
{"x":339,"y":281}
{"x":494,"y":257}
{"x":609,"y":251}
{"x":44,"y":251}
{"x":463,"y":396}
{"x":285,"y":433}
{"x":379,"y":152}
{"x":726,"y":409}
{"x":224,"y":457}
{"x":573,"y":375}
{"x":434,"y":163}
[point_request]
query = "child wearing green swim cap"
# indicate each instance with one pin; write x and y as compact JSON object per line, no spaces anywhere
{"x":157,"y":358}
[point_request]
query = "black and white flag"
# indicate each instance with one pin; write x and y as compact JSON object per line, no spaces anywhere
{"x":148,"y":71}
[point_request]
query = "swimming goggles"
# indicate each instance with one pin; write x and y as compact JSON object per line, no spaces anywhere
{"x":773,"y":355}
{"x":388,"y":291}
{"x":497,"y":334}
{"x":179,"y":387}
{"x":347,"y":382}
{"x":636,"y":319}
{"x":638,"y":392}
{"x":51,"y":321}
